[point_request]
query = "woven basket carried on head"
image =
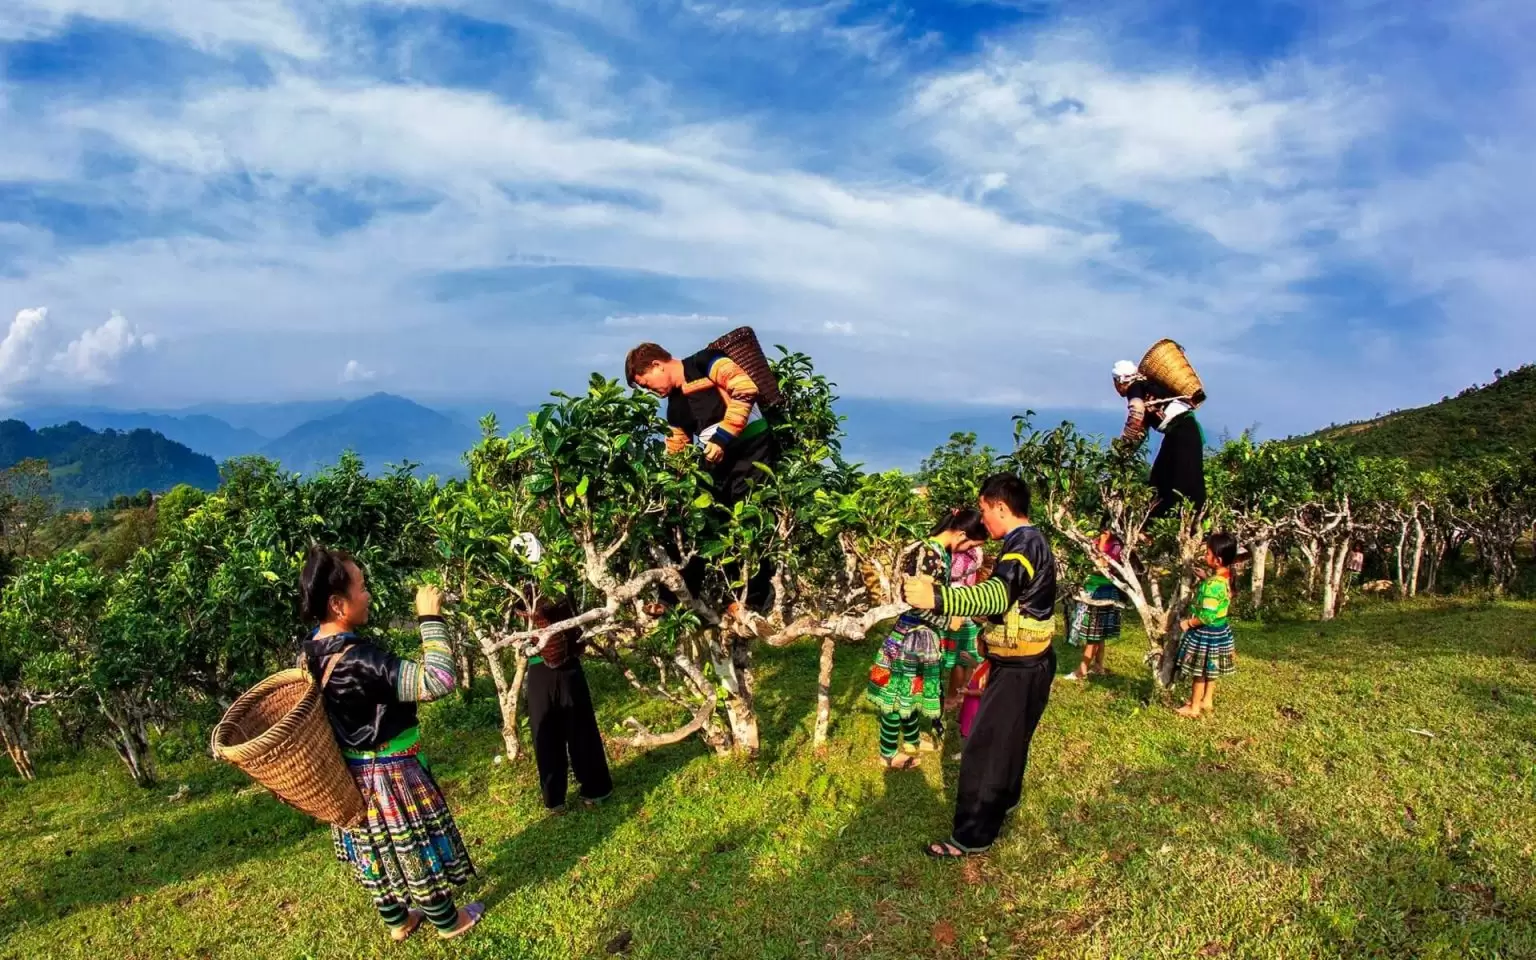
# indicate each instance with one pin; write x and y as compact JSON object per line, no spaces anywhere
{"x":741,"y":345}
{"x":278,"y":733}
{"x":1166,"y":364}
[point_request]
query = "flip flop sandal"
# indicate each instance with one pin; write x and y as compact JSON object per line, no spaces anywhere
{"x":592,"y":803}
{"x":948,"y":850}
{"x":474,"y":912}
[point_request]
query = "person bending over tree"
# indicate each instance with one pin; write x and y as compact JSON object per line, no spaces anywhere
{"x":711,"y":402}
{"x":1178,"y":471}
{"x":1019,"y":600}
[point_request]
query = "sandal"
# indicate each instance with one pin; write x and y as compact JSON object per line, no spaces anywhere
{"x":471,"y":913}
{"x":949,"y":850}
{"x":413,"y":918}
{"x":592,"y":803}
{"x":901,"y":761}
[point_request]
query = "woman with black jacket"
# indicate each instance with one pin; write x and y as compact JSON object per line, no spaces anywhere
{"x":407,"y":852}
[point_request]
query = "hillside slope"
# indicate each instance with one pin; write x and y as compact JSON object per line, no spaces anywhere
{"x":1494,"y":418}
{"x":90,"y":467}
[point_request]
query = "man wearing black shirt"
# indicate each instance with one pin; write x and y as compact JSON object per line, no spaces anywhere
{"x":1019,"y":599}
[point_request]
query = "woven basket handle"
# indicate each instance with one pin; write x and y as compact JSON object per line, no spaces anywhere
{"x":330,"y":665}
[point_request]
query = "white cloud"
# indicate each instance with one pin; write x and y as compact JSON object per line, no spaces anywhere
{"x":264,"y":24}
{"x":23,"y":351}
{"x":32,"y":359}
{"x":984,"y":202}
{"x":355,"y":372}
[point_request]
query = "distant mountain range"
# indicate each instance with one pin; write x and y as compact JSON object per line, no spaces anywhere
{"x":302,"y":436}
{"x":89,"y":467}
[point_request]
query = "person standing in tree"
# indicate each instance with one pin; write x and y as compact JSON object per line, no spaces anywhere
{"x":1019,"y":599}
{"x":1178,"y":471}
{"x":711,"y":402}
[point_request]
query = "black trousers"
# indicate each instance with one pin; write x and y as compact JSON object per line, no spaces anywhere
{"x":992,"y":764}
{"x":565,"y":729}
{"x":1178,"y":472}
{"x":732,"y":480}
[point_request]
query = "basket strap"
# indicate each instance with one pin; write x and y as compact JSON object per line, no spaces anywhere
{"x":330,"y":664}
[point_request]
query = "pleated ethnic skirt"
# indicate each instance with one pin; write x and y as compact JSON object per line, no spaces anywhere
{"x":1206,"y":653}
{"x":407,"y":850}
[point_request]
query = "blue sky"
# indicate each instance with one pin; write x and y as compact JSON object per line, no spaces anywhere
{"x":1330,"y":204}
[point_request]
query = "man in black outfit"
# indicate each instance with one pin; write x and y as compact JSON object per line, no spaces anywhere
{"x":1019,"y":600}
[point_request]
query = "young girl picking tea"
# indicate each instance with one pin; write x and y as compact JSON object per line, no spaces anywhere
{"x":906,"y":682}
{"x":1206,"y":652}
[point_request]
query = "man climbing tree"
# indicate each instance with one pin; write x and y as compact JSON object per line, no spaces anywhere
{"x":711,"y":401}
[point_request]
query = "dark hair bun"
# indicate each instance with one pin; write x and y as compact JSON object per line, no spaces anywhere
{"x":326,"y":575}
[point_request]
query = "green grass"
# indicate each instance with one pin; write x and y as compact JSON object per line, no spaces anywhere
{"x":1306,"y":820}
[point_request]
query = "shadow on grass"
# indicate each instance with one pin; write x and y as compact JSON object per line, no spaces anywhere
{"x":175,"y":850}
{"x":750,"y":892}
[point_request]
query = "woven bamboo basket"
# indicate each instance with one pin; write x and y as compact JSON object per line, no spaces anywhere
{"x":278,"y":734}
{"x":1165,"y":363}
{"x":741,"y":345}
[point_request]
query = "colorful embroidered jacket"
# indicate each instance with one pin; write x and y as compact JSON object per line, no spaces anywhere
{"x":372,"y":694}
{"x":1213,"y":602}
{"x":1019,"y":597}
{"x":717,"y":403}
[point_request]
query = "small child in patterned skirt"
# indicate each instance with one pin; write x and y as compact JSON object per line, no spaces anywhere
{"x":1096,"y":620}
{"x":1207,"y":652}
{"x":906,"y":680}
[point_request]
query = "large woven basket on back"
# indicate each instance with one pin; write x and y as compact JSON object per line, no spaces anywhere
{"x":277,"y":732}
{"x":741,"y":345}
{"x":1166,"y":364}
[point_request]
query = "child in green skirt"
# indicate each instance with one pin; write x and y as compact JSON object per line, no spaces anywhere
{"x":906,"y":682}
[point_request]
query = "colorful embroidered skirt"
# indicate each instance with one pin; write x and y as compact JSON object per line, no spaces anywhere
{"x":959,"y":646}
{"x":407,"y":849}
{"x":907,"y":677}
{"x":1205,"y":653}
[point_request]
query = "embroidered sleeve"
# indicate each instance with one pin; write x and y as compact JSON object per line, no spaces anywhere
{"x":677,"y":440}
{"x":1135,"y":420}
{"x":740,"y":393}
{"x":928,"y":561}
{"x":434,"y":677}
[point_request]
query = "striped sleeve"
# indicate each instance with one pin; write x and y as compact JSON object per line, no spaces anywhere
{"x":985,"y":599}
{"x":434,"y":677}
{"x":740,"y":393}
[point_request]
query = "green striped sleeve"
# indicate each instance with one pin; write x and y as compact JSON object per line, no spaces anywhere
{"x":986,"y":599}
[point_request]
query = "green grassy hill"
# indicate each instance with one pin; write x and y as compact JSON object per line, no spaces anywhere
{"x":1363,"y":791}
{"x":1494,"y":418}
